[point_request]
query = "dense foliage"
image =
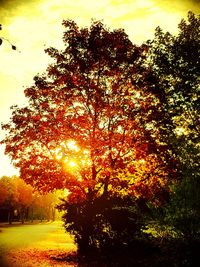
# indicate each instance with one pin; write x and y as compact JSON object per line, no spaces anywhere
{"x":175,"y":61}
{"x":21,"y":202}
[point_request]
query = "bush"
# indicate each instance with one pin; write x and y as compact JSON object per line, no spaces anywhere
{"x":104,"y":224}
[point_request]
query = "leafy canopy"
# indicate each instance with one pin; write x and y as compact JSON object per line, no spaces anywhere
{"x":175,"y":61}
{"x":90,"y":125}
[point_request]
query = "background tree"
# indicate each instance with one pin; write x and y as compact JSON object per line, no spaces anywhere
{"x":89,"y":127}
{"x":11,"y":199}
{"x":44,"y":205}
{"x":3,"y":192}
{"x":175,"y":60}
{"x":2,"y":38}
{"x":24,"y":199}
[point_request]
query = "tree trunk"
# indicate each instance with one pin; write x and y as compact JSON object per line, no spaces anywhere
{"x":10,"y":216}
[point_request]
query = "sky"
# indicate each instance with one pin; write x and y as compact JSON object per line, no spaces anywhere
{"x":34,"y":25}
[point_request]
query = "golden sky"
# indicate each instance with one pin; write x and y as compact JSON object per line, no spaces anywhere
{"x":33,"y":25}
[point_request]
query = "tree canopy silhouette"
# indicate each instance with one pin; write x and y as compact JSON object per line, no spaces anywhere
{"x":91,"y":127}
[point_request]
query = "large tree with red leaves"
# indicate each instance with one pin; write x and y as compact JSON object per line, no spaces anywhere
{"x":91,"y":126}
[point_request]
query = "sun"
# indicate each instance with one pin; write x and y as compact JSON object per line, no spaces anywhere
{"x":72,"y":156}
{"x":69,"y":146}
{"x":72,"y":164}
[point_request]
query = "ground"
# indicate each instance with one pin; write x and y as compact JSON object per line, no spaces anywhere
{"x":47,"y":244}
{"x":35,"y":245}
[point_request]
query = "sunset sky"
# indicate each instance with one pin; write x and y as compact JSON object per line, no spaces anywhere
{"x":34,"y":25}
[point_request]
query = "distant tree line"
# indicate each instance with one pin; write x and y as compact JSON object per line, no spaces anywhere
{"x":20,"y":202}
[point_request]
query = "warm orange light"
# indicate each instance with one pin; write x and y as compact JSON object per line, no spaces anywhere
{"x":71,"y":144}
{"x":58,"y":153}
{"x":63,"y":148}
{"x":72,"y":164}
{"x":72,"y":156}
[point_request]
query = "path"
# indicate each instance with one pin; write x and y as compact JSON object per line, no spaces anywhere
{"x":20,"y":243}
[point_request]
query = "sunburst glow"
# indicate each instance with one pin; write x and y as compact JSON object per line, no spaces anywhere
{"x":72,"y":145}
{"x":72,"y":164}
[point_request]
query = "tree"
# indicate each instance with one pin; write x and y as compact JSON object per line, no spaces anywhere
{"x":44,"y":205}
{"x":89,"y":125}
{"x":175,"y":62}
{"x":11,"y":199}
{"x":2,"y":38}
{"x":3,"y":192}
{"x":24,"y":199}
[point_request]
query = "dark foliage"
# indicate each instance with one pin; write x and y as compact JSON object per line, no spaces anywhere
{"x":175,"y":62}
{"x":105,"y":224}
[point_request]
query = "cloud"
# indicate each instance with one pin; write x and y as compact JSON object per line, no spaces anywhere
{"x":9,"y":3}
{"x":13,"y":4}
{"x":9,"y":8}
